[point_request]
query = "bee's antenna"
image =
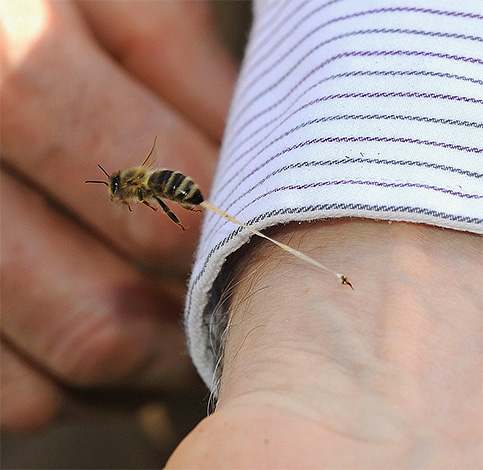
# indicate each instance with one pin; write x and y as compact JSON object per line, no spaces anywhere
{"x":95,"y":181}
{"x":104,"y":171}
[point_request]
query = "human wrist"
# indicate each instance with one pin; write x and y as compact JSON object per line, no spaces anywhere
{"x":374,"y":364}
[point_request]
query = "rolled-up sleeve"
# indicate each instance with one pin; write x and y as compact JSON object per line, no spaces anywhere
{"x":343,"y":108}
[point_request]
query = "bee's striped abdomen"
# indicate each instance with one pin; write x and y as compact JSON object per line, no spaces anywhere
{"x":175,"y":186}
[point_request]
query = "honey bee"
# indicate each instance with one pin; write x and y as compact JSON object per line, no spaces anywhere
{"x":142,"y":184}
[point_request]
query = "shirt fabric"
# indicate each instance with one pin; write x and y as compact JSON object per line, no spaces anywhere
{"x":346,"y":108}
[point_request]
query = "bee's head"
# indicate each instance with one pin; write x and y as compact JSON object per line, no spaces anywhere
{"x":113,"y":183}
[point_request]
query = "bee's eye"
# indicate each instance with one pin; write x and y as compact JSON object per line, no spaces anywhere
{"x":115,"y":184}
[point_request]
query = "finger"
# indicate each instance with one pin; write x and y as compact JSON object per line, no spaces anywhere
{"x":29,"y":400}
{"x":173,"y":48}
{"x":77,"y":310}
{"x":67,"y":107}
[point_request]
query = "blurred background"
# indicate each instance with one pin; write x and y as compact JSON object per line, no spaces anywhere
{"x":118,"y":429}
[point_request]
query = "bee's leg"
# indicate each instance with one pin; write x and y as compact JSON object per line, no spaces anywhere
{"x":190,"y":207}
{"x":170,"y":214}
{"x":149,"y":205}
{"x":146,"y":203}
{"x":128,"y":206}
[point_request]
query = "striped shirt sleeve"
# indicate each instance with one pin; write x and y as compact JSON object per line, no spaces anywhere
{"x":346,"y":108}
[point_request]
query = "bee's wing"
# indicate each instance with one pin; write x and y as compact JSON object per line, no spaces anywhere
{"x":150,"y":161}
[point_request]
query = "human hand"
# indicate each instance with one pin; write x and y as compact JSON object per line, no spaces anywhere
{"x":318,"y":376}
{"x":87,"y":83}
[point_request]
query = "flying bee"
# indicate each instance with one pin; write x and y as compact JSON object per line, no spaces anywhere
{"x":141,"y":184}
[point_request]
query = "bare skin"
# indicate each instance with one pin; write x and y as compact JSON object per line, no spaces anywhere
{"x":81,"y":84}
{"x":318,"y":376}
